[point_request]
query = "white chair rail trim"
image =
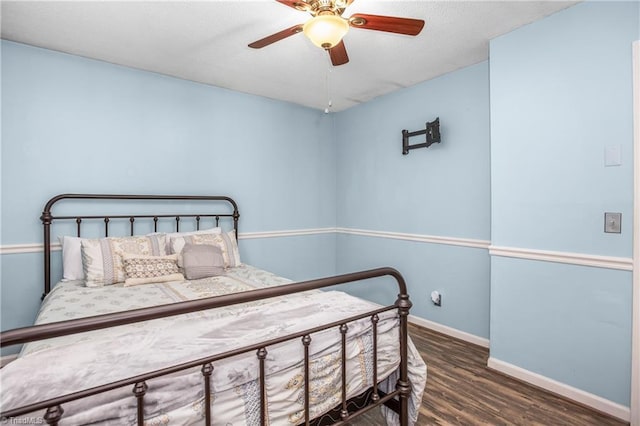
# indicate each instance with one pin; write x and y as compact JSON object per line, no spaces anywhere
{"x":608,"y":262}
{"x":289,"y":233}
{"x":464,"y":242}
{"x":435,"y":239}
{"x":27,"y":248}
{"x":597,"y":261}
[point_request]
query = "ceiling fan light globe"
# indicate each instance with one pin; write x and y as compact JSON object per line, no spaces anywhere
{"x":326,"y":31}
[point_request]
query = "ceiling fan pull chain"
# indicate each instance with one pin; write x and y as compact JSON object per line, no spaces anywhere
{"x":329,"y":103}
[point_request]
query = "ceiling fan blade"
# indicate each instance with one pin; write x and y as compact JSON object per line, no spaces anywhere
{"x":389,"y":24}
{"x":338,"y":54}
{"x":276,"y":37}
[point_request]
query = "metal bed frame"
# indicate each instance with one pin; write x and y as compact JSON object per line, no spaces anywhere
{"x":342,"y":414}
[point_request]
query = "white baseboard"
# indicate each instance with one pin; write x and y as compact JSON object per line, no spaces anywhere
{"x":449,"y":331}
{"x":4,"y":360}
{"x":585,"y":398}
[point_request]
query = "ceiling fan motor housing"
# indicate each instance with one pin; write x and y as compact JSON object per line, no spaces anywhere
{"x":322,"y":7}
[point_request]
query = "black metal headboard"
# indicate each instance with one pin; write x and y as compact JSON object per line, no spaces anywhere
{"x":47,"y":217}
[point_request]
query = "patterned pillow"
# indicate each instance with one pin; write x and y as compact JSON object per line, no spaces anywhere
{"x":171,"y":235}
{"x":230,"y":251}
{"x":177,"y":243}
{"x":226,"y":241}
{"x":140,"y":269}
{"x":102,"y":258}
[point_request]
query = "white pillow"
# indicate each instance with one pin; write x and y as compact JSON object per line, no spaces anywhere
{"x":71,"y":258}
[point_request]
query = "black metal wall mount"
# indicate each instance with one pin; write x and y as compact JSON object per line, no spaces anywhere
{"x":432,"y":132}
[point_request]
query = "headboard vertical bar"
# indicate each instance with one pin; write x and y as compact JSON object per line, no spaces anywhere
{"x":177,"y":223}
{"x":131,"y":220}
{"x":197,"y":223}
{"x":46,"y":222}
{"x":78,"y":222}
{"x":236,"y":216}
{"x":155,"y":224}
{"x":106,"y":227}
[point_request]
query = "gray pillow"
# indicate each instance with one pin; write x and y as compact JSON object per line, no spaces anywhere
{"x":201,"y":261}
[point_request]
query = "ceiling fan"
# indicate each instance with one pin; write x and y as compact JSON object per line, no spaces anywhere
{"x":327,"y":27}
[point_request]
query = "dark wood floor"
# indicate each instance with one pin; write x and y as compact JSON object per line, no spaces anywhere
{"x":461,"y":390}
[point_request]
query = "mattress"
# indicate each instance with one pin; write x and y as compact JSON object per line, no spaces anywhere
{"x":68,"y":364}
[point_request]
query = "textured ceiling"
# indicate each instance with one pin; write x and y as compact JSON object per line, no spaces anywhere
{"x":206,"y":41}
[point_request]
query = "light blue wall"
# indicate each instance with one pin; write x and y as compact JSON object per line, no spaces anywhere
{"x":74,"y":124}
{"x":565,"y":322}
{"x":460,"y":274}
{"x":297,"y":257}
{"x":442,"y":191}
{"x":561,"y":92}
{"x":71,"y":124}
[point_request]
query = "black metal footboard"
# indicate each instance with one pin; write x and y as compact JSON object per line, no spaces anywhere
{"x":55,"y":406}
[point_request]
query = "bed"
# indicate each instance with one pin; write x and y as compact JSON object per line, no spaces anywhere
{"x":172,"y":328}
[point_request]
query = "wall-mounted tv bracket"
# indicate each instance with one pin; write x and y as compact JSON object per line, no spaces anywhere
{"x":432,"y":132}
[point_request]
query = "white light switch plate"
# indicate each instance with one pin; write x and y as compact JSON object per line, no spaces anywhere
{"x":613,"y":223}
{"x":612,"y":155}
